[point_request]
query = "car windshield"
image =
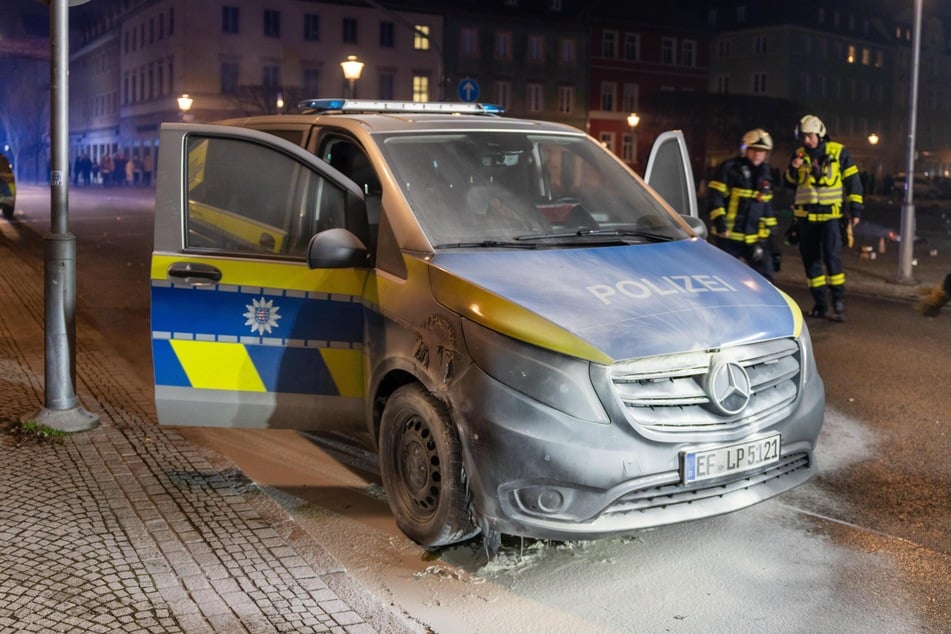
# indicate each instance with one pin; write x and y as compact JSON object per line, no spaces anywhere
{"x":517,"y":189}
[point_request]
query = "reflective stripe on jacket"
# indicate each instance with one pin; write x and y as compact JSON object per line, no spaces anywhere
{"x":826,"y":177}
{"x":740,"y":201}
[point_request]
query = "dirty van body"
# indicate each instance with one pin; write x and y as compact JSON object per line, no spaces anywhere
{"x":534,"y":341}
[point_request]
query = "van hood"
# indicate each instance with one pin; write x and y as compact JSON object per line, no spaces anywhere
{"x":611,"y":303}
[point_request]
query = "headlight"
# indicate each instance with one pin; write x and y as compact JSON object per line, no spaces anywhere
{"x":554,"y":379}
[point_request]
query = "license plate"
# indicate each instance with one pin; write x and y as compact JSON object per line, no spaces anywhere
{"x":717,"y":462}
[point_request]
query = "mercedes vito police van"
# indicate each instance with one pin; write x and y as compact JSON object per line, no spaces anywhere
{"x":531,"y":337}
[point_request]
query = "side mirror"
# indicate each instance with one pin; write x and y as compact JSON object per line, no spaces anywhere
{"x":698,"y":225}
{"x":337,"y":249}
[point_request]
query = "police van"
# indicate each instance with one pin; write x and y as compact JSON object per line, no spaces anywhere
{"x":533,"y":339}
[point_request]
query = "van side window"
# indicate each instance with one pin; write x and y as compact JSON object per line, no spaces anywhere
{"x":248,"y":198}
{"x":350,"y":160}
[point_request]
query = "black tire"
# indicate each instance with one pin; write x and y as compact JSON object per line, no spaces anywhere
{"x":421,"y":465}
{"x":7,"y":212}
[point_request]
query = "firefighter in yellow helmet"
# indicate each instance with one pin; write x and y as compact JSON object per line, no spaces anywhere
{"x":825,"y":178}
{"x":740,"y":204}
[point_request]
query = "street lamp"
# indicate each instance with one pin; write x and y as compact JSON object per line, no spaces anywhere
{"x":633,"y":120}
{"x":280,"y":102}
{"x":873,"y":138}
{"x":352,"y":68}
{"x":184,"y":105}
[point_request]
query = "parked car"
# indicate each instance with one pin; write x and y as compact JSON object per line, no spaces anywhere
{"x":533,"y":339}
{"x":8,"y":188}
{"x":924,"y":187}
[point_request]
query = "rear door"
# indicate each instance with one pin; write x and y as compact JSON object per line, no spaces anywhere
{"x":244,"y":333}
{"x":670,"y":175}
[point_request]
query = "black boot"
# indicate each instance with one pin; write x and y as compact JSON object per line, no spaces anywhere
{"x":838,"y":310}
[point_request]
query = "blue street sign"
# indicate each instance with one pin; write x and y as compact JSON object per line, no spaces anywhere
{"x":468,"y":90}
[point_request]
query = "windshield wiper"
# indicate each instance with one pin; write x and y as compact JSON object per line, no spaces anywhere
{"x":636,"y":233}
{"x":484,"y":244}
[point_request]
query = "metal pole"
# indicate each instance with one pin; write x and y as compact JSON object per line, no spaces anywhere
{"x":61,"y":406}
{"x":906,"y":248}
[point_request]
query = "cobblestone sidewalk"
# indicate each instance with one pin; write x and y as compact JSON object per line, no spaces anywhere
{"x":129,"y":528}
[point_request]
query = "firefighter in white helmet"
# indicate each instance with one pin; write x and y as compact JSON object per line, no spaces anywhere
{"x":740,"y":204}
{"x":825,"y":178}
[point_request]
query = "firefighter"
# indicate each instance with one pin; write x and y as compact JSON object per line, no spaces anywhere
{"x":824,"y":177}
{"x":739,"y":204}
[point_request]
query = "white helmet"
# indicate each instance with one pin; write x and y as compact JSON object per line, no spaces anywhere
{"x":757,"y":139}
{"x":811,"y":124}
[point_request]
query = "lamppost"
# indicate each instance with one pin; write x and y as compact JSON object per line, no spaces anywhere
{"x":632,"y":120}
{"x":280,"y":102}
{"x":352,"y":68}
{"x":873,"y":140}
{"x":184,"y":105}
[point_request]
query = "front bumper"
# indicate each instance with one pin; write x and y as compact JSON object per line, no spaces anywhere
{"x":537,"y":472}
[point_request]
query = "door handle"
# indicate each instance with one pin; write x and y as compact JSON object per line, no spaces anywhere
{"x":194,"y":273}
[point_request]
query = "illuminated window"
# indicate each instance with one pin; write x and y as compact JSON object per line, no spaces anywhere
{"x":420,"y":88}
{"x":421,"y":37}
{"x":850,"y":56}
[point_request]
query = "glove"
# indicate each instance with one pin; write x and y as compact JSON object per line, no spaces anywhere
{"x":845,"y":227}
{"x":757,"y":253}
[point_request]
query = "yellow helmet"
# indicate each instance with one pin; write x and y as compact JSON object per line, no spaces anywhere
{"x":811,"y":124}
{"x":757,"y":139}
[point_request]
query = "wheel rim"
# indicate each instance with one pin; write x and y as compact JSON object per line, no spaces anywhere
{"x":419,"y":464}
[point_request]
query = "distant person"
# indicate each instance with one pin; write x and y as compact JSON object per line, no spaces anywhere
{"x":935,"y":298}
{"x":825,"y":177}
{"x":106,"y":167}
{"x":8,"y":188}
{"x":739,"y":201}
{"x":147,"y":167}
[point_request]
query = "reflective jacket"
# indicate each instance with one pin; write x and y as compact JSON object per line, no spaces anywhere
{"x":740,"y":201}
{"x":826,"y":177}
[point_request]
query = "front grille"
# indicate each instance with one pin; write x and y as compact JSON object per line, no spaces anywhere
{"x":666,"y":393}
{"x":664,"y":497}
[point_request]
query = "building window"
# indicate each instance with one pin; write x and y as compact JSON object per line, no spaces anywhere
{"x":386,"y":84}
{"x":534,"y":95}
{"x":421,"y":37}
{"x":229,"y":78}
{"x":850,"y":56}
{"x":759,"y":83}
{"x":387,"y":35}
{"x":607,"y":140}
{"x":879,"y":59}
{"x":554,"y":5}
{"x":566,"y":99}
{"x":668,"y":49}
{"x":503,"y":94}
{"x":503,"y":45}
{"x":536,"y":49}
{"x":310,"y":82}
{"x":229,"y":19}
{"x":629,"y":96}
{"x":608,"y":96}
{"x":567,"y":50}
{"x":468,"y":42}
{"x":759,"y":44}
{"x":420,"y":88}
{"x":272,"y":23}
{"x":271,"y":76}
{"x":349,"y":30}
{"x":609,"y":44}
{"x":632,"y":47}
{"x":723,"y":49}
{"x":866,"y":57}
{"x":311,"y":27}
{"x":628,"y":153}
{"x":688,"y":53}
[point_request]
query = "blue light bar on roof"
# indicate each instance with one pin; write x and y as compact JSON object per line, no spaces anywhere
{"x":367,"y":105}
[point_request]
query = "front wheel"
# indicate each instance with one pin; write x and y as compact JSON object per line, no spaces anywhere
{"x":421,"y":466}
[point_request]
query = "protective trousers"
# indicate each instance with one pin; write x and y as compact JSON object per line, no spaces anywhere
{"x":820,"y":243}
